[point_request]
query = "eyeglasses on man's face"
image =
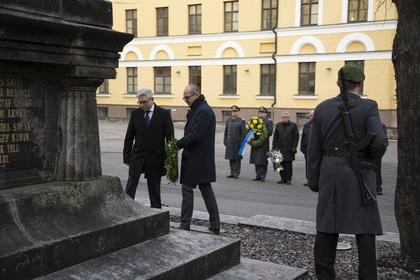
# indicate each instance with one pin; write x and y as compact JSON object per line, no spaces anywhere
{"x":188,"y":97}
{"x":140,"y":102}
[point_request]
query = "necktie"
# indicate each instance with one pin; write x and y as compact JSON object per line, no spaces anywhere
{"x":147,"y":118}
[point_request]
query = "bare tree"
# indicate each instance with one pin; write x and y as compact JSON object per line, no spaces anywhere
{"x":406,"y":60}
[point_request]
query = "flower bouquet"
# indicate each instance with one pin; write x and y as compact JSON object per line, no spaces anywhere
{"x":275,"y":157}
{"x":172,"y":161}
{"x":260,"y":130}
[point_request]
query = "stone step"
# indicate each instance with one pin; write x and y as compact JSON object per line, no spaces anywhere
{"x":51,"y":226}
{"x":179,"y":255}
{"x":259,"y":270}
{"x":253,"y":269}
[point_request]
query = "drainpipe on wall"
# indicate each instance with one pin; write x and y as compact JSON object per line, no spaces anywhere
{"x":275,"y":60}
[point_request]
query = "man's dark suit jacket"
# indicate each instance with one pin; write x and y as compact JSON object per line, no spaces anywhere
{"x":149,"y":142}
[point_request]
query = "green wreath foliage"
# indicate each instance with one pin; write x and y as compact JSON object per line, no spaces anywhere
{"x":172,"y":161}
{"x":261,"y":132}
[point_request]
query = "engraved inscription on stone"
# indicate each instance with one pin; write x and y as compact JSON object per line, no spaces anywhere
{"x":16,"y":106}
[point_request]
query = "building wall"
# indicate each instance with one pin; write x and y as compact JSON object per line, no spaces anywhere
{"x":329,"y":43}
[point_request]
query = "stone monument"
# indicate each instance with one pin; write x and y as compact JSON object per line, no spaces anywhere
{"x":56,"y":208}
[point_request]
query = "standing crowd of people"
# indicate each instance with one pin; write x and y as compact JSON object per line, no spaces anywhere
{"x":346,"y":177}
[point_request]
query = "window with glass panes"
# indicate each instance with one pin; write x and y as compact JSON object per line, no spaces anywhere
{"x":162,"y":80}
{"x":231,"y":16}
{"x":104,"y":88}
{"x":131,"y":22}
{"x":194,"y":19}
{"x":268,"y":79}
{"x":309,"y":12}
{"x":162,"y":21}
{"x":195,"y":75}
{"x":131,"y":79}
{"x":307,"y":78}
{"x":269,"y":15}
{"x":361,"y":65}
{"x":358,"y":10}
{"x":229,"y":79}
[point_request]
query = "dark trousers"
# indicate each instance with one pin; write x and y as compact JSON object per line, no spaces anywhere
{"x":325,"y":252}
{"x":287,"y":173}
{"x":187,"y":206}
{"x":153,"y":186}
{"x":235,"y":167}
{"x":261,"y":171}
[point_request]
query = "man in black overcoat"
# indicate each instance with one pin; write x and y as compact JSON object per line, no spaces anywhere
{"x":305,"y":141}
{"x":341,"y":208}
{"x":232,"y":139}
{"x":198,"y":166}
{"x":286,"y":138}
{"x":148,"y":130}
{"x":259,"y":154}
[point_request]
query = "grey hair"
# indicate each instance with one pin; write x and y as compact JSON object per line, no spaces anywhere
{"x":286,"y":113}
{"x":144,"y":92}
{"x":194,"y":89}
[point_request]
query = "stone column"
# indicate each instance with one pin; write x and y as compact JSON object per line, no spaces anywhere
{"x":80,"y":156}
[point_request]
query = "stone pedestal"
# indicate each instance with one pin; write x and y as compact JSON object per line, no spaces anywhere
{"x":53,"y":56}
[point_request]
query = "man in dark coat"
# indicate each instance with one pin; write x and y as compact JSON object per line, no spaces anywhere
{"x":150,"y":126}
{"x":233,"y":138}
{"x":259,"y":154}
{"x":286,"y":138}
{"x":198,"y":166}
{"x":341,"y":208}
{"x":304,"y":142}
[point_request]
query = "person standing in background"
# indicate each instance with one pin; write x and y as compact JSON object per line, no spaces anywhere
{"x":150,"y":127}
{"x":304,"y":142}
{"x":286,"y":138}
{"x":232,"y":139}
{"x":378,"y":169}
{"x":259,"y":155}
{"x":198,"y":166}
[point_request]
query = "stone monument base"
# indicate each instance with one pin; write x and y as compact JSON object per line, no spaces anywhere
{"x":51,"y":226}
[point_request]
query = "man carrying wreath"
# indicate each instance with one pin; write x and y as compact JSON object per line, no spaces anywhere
{"x":259,"y":154}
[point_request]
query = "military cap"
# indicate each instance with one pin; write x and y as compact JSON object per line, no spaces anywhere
{"x":263,"y":109}
{"x":352,"y":73}
{"x":235,"y":108}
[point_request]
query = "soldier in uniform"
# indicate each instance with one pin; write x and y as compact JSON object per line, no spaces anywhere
{"x":259,"y":155}
{"x":233,"y":138}
{"x":341,"y":208}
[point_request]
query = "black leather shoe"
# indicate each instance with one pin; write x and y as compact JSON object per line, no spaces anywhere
{"x":214,"y":230}
{"x":288,"y":182}
{"x":281,"y":182}
{"x":230,"y":176}
{"x":256,"y":179}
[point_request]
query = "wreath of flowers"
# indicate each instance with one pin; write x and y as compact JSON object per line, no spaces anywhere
{"x":275,"y":157}
{"x":260,"y":130}
{"x":172,"y":161}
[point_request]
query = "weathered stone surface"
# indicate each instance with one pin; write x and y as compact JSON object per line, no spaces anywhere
{"x":29,"y":132}
{"x":53,"y":56}
{"x":54,"y":225}
{"x":179,"y":255}
{"x":92,"y":12}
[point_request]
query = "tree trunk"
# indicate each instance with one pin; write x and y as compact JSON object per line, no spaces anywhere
{"x":406,"y":60}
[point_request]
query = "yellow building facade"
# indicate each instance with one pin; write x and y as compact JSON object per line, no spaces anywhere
{"x":280,"y":54}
